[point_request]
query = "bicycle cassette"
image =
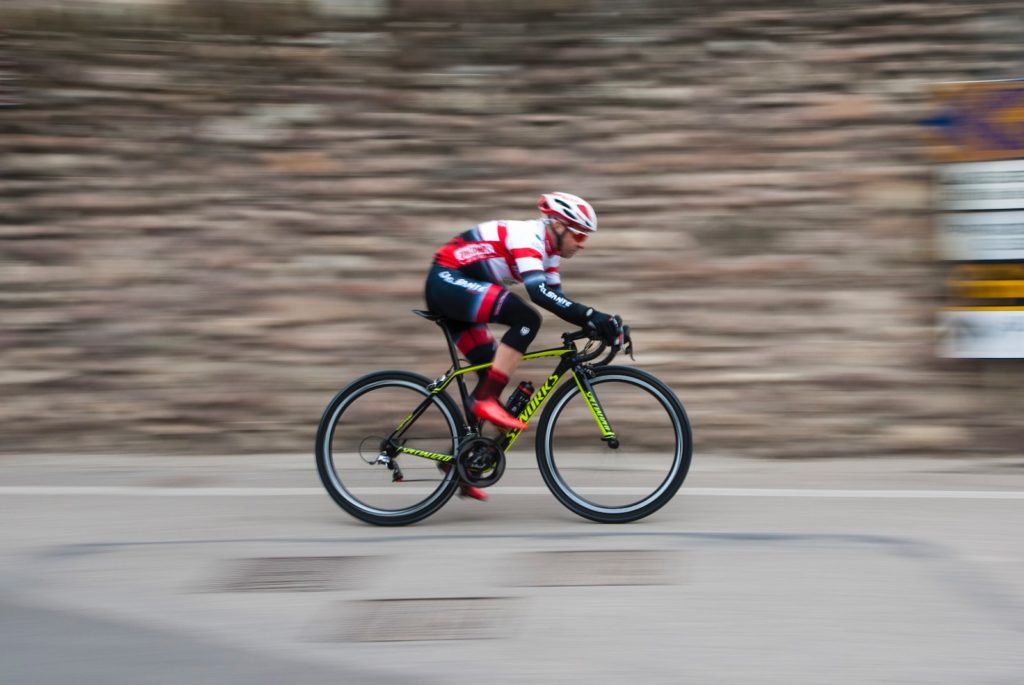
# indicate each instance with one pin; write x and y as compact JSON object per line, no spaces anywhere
{"x":480,"y":462}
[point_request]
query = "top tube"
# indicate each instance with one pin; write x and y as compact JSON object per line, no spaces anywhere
{"x":540,"y":354}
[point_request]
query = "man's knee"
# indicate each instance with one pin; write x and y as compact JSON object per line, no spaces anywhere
{"x":523,"y":322}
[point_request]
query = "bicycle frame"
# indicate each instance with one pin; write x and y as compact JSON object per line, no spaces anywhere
{"x":643,"y":473}
{"x":568,"y":361}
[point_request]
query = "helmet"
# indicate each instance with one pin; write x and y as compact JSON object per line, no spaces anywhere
{"x":574,"y":211}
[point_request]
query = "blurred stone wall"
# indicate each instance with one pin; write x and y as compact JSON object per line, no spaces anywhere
{"x":216,"y":214}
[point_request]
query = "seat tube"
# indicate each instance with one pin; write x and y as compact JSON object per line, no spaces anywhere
{"x":454,"y":352}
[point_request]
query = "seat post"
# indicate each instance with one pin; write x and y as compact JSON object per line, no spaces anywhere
{"x":460,"y":380}
{"x":452,"y":349}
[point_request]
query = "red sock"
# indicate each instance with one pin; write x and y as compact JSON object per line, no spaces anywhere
{"x":491,"y":386}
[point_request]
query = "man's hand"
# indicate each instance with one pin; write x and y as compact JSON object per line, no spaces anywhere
{"x":607,"y":326}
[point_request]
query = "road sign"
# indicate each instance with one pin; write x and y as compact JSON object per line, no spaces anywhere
{"x":981,"y":236}
{"x":978,"y":121}
{"x":982,"y":186}
{"x":973,"y":333}
{"x":978,"y":134}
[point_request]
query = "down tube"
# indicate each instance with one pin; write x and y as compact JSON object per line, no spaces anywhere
{"x":537,"y":401}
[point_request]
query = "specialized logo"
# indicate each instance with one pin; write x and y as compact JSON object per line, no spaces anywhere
{"x":598,"y":414}
{"x":525,"y":330}
{"x":422,"y":453}
{"x":474,"y":252}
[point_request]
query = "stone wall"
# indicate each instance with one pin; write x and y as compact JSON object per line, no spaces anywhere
{"x":216,"y":214}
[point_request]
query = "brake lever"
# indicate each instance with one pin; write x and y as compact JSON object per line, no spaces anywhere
{"x":627,"y":342}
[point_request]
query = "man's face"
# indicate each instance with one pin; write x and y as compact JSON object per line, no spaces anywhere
{"x":572,"y":242}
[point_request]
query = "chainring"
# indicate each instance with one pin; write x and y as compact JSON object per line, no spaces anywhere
{"x":480,"y":462}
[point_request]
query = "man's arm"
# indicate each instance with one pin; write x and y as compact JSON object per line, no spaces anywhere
{"x":554,"y":300}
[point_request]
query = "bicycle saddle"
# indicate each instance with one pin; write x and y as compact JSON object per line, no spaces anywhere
{"x":429,"y":316}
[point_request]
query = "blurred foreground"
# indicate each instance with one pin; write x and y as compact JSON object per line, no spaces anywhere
{"x":237,"y":569}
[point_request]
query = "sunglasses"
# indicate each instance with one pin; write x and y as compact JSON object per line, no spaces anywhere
{"x":578,"y":236}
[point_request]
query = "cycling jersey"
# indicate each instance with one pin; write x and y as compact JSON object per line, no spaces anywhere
{"x":506,"y":252}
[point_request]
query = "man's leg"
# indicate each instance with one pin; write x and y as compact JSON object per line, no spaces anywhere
{"x":507,"y":359}
{"x":475,"y":342}
{"x":464,"y":299}
{"x":476,"y":345}
{"x":523,"y":323}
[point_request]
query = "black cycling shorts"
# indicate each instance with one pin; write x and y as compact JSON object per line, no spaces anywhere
{"x":470,"y":304}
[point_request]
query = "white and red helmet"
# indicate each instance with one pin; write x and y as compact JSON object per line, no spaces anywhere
{"x":573,"y":211}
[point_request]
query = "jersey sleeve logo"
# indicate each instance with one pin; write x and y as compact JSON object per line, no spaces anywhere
{"x":474,"y":252}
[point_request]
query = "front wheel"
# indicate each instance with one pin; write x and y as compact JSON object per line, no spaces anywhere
{"x":370,"y":432}
{"x":620,"y":479}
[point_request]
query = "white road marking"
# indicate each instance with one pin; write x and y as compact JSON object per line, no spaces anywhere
{"x":859,"y":494}
{"x":405,"y":489}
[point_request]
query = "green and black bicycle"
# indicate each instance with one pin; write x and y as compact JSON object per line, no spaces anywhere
{"x":613,"y":443}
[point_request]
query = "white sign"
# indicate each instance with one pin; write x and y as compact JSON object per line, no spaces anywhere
{"x":982,"y":186}
{"x":981,"y":237}
{"x":978,"y":334}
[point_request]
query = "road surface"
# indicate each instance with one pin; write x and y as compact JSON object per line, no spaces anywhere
{"x":241,"y":569}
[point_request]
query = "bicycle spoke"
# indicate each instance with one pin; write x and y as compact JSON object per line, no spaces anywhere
{"x":384,"y":479}
{"x":620,"y":478}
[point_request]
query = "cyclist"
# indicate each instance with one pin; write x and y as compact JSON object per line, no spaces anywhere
{"x":467,"y":285}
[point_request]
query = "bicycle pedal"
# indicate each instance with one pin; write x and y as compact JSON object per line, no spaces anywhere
{"x":472,"y":492}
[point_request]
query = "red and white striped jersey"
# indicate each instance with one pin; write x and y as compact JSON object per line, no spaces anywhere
{"x":502,"y":251}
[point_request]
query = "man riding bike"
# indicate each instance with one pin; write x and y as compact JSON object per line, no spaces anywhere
{"x":466,"y":284}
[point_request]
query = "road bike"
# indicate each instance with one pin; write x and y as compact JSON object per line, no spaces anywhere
{"x":613,"y":443}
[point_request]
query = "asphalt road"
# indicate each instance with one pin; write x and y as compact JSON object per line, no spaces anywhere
{"x":241,"y":569}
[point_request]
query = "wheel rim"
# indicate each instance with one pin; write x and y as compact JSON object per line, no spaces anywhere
{"x":376,"y":410}
{"x":598,"y":479}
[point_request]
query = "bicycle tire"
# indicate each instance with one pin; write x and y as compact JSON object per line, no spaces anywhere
{"x":656,"y":403}
{"x":445,"y":420}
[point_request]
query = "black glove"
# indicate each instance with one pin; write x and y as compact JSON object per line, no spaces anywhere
{"x":607,"y":327}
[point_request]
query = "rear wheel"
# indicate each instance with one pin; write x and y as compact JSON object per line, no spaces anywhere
{"x":352,"y":453}
{"x":607,"y":481}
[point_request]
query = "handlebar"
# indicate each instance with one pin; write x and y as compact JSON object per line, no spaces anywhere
{"x":625,"y":342}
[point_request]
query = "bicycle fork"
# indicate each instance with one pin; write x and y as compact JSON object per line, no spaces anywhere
{"x":594,"y":405}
